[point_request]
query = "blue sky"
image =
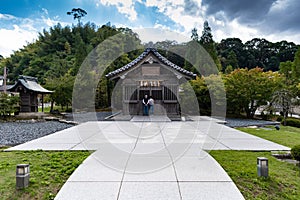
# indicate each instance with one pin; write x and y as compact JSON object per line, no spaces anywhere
{"x":275,"y":20}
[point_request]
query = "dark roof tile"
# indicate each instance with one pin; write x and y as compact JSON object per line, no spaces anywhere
{"x":142,"y":56}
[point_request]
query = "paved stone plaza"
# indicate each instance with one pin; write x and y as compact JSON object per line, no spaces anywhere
{"x":142,"y":159}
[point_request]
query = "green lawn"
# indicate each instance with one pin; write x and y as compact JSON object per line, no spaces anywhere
{"x":283,"y":183}
{"x":288,"y":136}
{"x":47,"y":109}
{"x":48,"y":172}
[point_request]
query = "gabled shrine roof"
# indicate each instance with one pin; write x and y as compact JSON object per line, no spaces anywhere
{"x":161,"y":58}
{"x":30,"y":83}
{"x":7,"y":87}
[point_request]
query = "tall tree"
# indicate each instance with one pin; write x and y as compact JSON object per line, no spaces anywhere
{"x":77,"y":13}
{"x":296,"y":67}
{"x":208,"y":43}
{"x":261,"y":49}
{"x":229,"y":45}
{"x":285,"y":51}
{"x":195,"y":35}
{"x":206,"y":37}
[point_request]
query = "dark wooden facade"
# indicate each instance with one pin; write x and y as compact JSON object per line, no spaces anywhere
{"x":28,"y":89}
{"x":150,"y":74}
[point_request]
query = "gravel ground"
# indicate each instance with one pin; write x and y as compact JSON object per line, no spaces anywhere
{"x":248,"y":122}
{"x":13,"y":133}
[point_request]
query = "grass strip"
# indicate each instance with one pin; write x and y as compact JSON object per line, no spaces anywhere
{"x":49,"y":170}
{"x":287,"y":136}
{"x":283,"y":181}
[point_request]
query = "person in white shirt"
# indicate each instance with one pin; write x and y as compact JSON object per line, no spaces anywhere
{"x":151,"y":105}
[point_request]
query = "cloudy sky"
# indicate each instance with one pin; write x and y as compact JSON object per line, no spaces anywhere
{"x":275,"y":20}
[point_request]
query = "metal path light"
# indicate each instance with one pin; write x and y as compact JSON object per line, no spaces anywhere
{"x":262,"y":166}
{"x":22,"y":176}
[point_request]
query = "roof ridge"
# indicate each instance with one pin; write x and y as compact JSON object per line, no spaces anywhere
{"x":28,"y":78}
{"x":143,"y":55}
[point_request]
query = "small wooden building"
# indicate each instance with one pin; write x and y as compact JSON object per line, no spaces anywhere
{"x":29,"y":89}
{"x":151,"y":74}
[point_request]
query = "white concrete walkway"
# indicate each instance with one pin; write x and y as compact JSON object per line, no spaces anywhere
{"x":207,"y":134}
{"x":150,"y":160}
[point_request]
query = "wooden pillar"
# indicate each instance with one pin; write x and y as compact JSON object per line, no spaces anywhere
{"x":42,"y":102}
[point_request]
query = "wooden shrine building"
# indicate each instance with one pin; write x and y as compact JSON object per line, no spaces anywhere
{"x":29,"y":89}
{"x":151,"y":74}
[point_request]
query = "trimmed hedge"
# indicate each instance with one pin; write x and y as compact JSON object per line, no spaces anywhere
{"x":295,"y":151}
{"x":293,"y":122}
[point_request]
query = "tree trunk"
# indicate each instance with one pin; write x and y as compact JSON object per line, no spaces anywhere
{"x":52,"y":105}
{"x":248,"y":112}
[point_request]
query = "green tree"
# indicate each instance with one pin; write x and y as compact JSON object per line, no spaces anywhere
{"x":283,"y":99}
{"x":249,"y":89}
{"x":232,"y":60}
{"x":260,"y":49}
{"x":289,"y":70}
{"x":286,"y":69}
{"x":232,"y":45}
{"x":8,"y":104}
{"x":206,"y":37}
{"x":62,"y":87}
{"x":202,"y":93}
{"x":77,"y":13}
{"x":208,"y":43}
{"x":210,"y":94}
{"x":195,"y":35}
{"x":228,"y":69}
{"x":296,"y":67}
{"x":298,"y":89}
{"x":285,"y":51}
{"x":217,"y":93}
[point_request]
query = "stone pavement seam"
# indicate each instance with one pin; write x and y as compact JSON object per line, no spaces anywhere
{"x":122,"y":180}
{"x":174,"y":168}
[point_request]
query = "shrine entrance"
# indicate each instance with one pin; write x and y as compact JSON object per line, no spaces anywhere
{"x":150,"y":74}
{"x":156,"y":94}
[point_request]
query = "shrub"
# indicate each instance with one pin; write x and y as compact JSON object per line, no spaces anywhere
{"x":295,"y":151}
{"x":279,"y":118}
{"x":265,"y":116}
{"x":8,"y":104}
{"x":293,"y":122}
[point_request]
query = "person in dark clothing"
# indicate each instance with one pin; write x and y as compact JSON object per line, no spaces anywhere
{"x":145,"y":105}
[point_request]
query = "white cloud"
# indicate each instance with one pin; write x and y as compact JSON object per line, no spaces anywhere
{"x":20,"y":31}
{"x":175,"y":11}
{"x":125,"y":7}
{"x":233,"y":29}
{"x":6,"y":17}
{"x":222,"y":27}
{"x":159,"y":33}
{"x":14,"y":39}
